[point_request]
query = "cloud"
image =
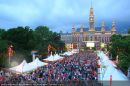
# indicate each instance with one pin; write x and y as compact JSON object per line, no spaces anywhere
{"x":59,"y":14}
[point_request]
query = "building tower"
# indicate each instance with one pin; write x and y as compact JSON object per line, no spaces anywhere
{"x":113,"y":30}
{"x":103,"y":27}
{"x":73,"y":29}
{"x":81,"y":29}
{"x":81,"y":33}
{"x":91,"y":19}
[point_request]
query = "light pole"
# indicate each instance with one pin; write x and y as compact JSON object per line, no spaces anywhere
{"x":10,"y":52}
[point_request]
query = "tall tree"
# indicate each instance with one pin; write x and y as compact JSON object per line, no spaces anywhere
{"x":120,"y":45}
{"x":25,"y":40}
{"x":20,"y":37}
{"x":44,"y":37}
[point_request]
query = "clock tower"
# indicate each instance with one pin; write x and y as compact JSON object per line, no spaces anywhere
{"x":91,"y":20}
{"x":91,"y":24}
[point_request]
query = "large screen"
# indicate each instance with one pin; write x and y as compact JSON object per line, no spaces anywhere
{"x":90,"y":44}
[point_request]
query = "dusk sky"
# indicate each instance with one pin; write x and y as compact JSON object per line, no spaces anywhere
{"x":62,"y":14}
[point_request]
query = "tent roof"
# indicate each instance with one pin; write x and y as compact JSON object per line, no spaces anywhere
{"x":19,"y":68}
{"x":26,"y":67}
{"x":110,"y":69}
{"x":53,"y":58}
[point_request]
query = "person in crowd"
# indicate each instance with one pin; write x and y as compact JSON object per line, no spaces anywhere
{"x":80,"y":67}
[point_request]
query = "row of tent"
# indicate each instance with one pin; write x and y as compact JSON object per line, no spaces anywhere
{"x":69,"y":53}
{"x":26,"y":67}
{"x":53,"y":58}
{"x":108,"y":68}
{"x":58,"y":57}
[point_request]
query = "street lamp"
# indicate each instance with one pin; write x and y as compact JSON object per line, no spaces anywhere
{"x":10,"y":52}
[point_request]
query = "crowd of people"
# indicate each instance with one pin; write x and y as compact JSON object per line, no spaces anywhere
{"x":80,"y":68}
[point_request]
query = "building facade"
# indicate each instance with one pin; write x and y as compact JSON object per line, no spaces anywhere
{"x":79,"y":37}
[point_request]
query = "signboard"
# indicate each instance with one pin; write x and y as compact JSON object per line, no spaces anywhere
{"x":90,"y":44}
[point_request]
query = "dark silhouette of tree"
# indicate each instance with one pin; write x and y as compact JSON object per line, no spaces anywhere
{"x":24,"y":40}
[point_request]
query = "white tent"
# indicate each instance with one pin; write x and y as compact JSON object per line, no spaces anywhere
{"x":53,"y":58}
{"x":110,"y":70}
{"x":75,"y":51}
{"x":26,"y":67}
{"x":58,"y":57}
{"x":105,"y":60}
{"x":107,"y":68}
{"x":34,"y":65}
{"x":50,"y":58}
{"x":19,"y":68}
{"x":68,"y":53}
{"x":40,"y":63}
{"x":37,"y":63}
{"x":116,"y":74}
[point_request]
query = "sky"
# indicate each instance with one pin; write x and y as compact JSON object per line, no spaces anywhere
{"x":63,"y":14}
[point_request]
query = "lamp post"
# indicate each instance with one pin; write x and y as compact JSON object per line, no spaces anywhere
{"x":10,"y":52}
{"x":33,"y":53}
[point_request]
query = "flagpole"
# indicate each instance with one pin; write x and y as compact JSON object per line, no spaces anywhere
{"x":10,"y":53}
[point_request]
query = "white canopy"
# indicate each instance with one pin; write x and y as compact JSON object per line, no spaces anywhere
{"x":75,"y":51}
{"x":19,"y":68}
{"x":34,"y":65}
{"x":69,"y":53}
{"x":53,"y":58}
{"x":58,"y":57}
{"x":105,"y":60}
{"x":116,"y":74}
{"x":37,"y":63}
{"x":107,"y":69}
{"x":26,"y":67}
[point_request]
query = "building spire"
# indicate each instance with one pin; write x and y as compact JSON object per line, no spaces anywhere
{"x":73,"y":29}
{"x":113,"y":30}
{"x":103,"y":26}
{"x":91,"y":4}
{"x":81,"y":28}
{"x":73,"y":26}
{"x":91,"y":19}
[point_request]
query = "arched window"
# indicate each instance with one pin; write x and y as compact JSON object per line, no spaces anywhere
{"x":95,"y":38}
{"x":100,"y":39}
{"x":103,"y":39}
{"x":91,"y":38}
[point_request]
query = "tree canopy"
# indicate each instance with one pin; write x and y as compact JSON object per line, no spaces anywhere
{"x":120,"y":46}
{"x":25,"y":39}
